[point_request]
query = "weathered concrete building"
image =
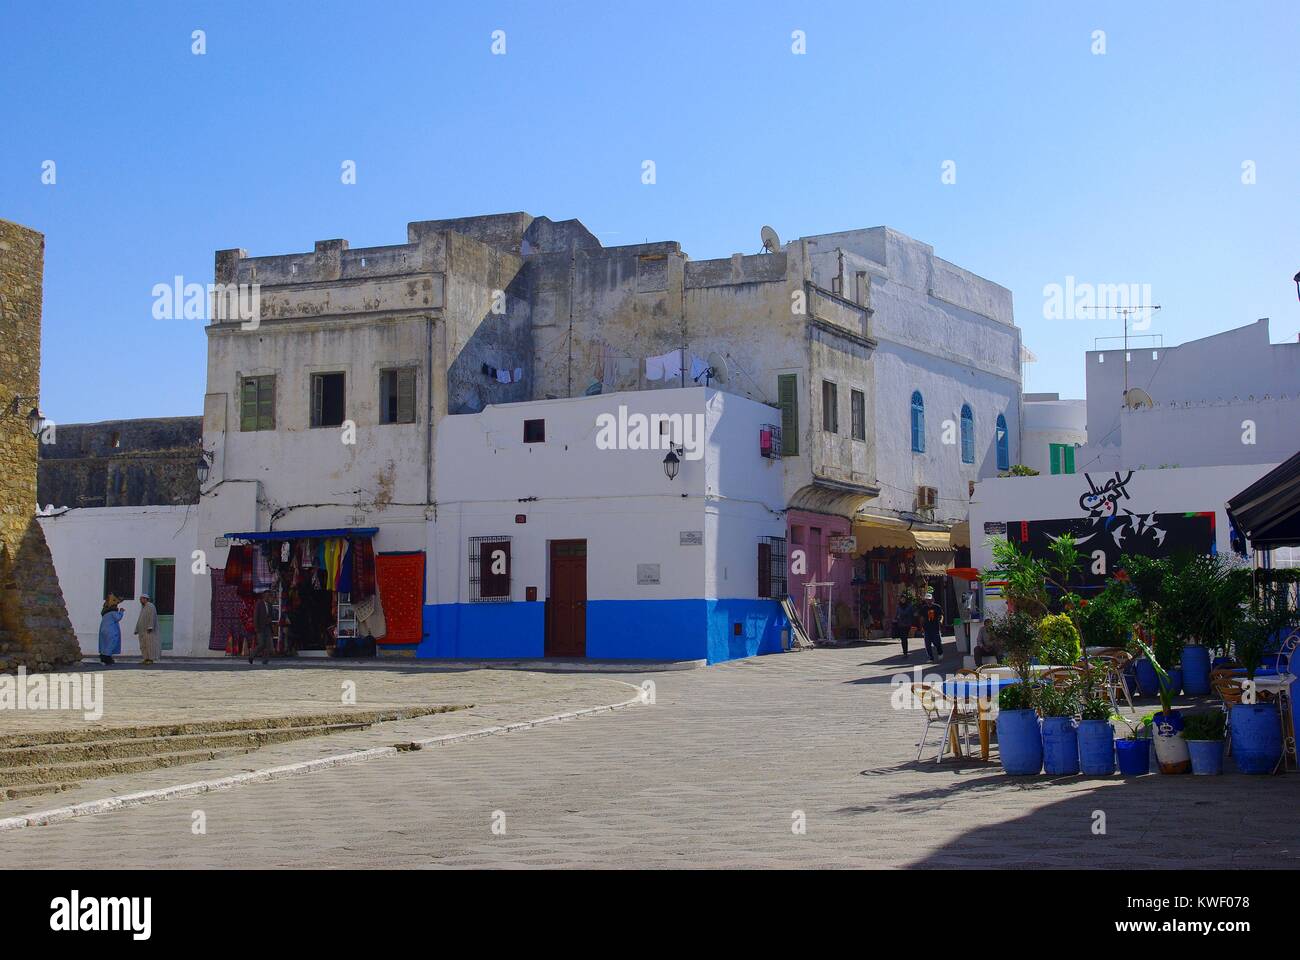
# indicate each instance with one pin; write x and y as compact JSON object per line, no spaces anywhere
{"x":34,"y":627}
{"x":322,"y":412}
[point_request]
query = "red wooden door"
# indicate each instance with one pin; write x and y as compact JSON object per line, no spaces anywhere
{"x":566,"y":621}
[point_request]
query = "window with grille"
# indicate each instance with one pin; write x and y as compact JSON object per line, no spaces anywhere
{"x":397,"y":395}
{"x":858,"y":408}
{"x":327,"y":399}
{"x":257,"y":403}
{"x":769,"y":441}
{"x":771,"y":568}
{"x":489,"y":569}
{"x":119,"y":578}
{"x":787,"y":394}
{"x":830,"y":407}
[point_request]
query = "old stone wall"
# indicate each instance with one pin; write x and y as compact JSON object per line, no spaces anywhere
{"x":34,"y":628}
{"x":121,"y":463}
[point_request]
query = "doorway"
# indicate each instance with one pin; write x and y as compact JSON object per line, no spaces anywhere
{"x":160,"y":584}
{"x":566,"y":604}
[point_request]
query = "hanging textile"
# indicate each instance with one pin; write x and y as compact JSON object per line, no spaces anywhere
{"x":225,"y":611}
{"x":263,"y":577}
{"x":401,"y":584}
{"x":363,"y":567}
{"x":344,"y":582}
{"x":370,"y":617}
{"x":236,"y":563}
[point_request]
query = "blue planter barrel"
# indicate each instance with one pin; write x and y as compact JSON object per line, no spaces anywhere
{"x":1133,"y":756}
{"x":1207,"y":757}
{"x":1060,"y":746}
{"x":1148,"y":679}
{"x":1020,"y":744}
{"x":1256,"y":737}
{"x":1196,"y":670}
{"x":1175,"y":675}
{"x":1096,"y":748}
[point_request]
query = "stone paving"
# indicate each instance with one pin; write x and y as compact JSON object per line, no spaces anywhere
{"x":722,"y":770}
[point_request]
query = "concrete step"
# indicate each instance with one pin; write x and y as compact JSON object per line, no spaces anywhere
{"x":93,"y":769}
{"x":148,"y":731}
{"x":116,"y":749}
{"x":21,"y":790}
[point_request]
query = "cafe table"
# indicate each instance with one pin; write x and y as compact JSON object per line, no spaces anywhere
{"x":984,"y":691}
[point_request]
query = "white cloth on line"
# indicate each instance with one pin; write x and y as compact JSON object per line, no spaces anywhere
{"x":654,"y":368}
{"x":698,"y":367}
{"x":503,"y":376}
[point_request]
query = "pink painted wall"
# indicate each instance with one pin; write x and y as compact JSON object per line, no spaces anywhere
{"x":810,"y":533}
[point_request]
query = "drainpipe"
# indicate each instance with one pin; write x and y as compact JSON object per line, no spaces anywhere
{"x":428,"y":409}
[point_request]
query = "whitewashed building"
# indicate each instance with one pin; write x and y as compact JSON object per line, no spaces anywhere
{"x":1054,"y":430}
{"x":1229,"y":398}
{"x":561,"y":531}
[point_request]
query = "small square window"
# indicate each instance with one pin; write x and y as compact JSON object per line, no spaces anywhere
{"x":534,"y":431}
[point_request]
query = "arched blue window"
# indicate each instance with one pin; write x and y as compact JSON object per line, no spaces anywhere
{"x":1004,"y":445}
{"x":918,"y":422}
{"x":967,"y":434}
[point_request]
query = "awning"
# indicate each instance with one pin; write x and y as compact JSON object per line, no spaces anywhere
{"x":933,"y":548}
{"x":834,"y":497}
{"x":305,"y":534}
{"x":1267,"y":513}
{"x":960,"y":534}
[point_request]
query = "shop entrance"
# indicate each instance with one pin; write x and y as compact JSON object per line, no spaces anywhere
{"x":160,"y":584}
{"x":566,"y":604}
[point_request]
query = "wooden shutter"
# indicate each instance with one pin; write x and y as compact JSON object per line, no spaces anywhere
{"x":406,"y":395}
{"x":787,"y":395}
{"x":764,"y":569}
{"x":266,"y":403}
{"x":317,"y":399}
{"x":248,"y":404}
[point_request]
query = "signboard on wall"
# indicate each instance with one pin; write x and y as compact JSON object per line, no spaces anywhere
{"x":690,"y":538}
{"x":1107,"y":529}
{"x":842,"y":545}
{"x":647,"y":573}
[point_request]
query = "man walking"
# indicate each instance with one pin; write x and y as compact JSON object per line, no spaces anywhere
{"x":262,"y":627}
{"x":146,"y":628}
{"x":932,"y":624}
{"x":904,"y":619}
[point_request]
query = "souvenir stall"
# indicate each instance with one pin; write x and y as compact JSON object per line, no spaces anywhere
{"x":321,"y":585}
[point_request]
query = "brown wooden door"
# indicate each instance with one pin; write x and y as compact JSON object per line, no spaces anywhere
{"x":566,"y":620}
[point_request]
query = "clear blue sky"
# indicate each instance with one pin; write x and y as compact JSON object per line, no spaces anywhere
{"x":1118,"y":168}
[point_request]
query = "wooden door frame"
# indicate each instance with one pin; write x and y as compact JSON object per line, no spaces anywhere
{"x":548,"y":639}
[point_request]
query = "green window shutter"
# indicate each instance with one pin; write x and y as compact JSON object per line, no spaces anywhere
{"x":266,"y":403}
{"x":787,"y":396}
{"x":248,"y":405}
{"x":1054,"y":454}
{"x":1069,"y":458}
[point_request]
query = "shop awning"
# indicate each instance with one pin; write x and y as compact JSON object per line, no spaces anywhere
{"x":1267,"y":513}
{"x":960,"y":534}
{"x":933,"y":548}
{"x":305,"y":534}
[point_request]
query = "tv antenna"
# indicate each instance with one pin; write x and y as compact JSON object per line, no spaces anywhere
{"x":771,"y":242}
{"x":1125,"y":313}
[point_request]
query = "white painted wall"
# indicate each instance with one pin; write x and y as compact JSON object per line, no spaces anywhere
{"x":1194,"y":489}
{"x":1052,"y":421}
{"x":620,"y":501}
{"x":82,"y":539}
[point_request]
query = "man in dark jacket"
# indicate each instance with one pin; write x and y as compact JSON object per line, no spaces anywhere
{"x":932,"y":625}
{"x":262,"y":627}
{"x":904,"y":620}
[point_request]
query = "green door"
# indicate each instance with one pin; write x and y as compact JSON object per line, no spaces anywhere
{"x":160,"y":577}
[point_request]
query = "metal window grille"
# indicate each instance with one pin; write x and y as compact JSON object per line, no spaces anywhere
{"x":477,"y":545}
{"x":771,"y":567}
{"x":769,"y":441}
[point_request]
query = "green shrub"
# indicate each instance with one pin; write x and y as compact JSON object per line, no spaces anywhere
{"x":1059,"y":640}
{"x":1018,"y":696}
{"x":1204,"y":726}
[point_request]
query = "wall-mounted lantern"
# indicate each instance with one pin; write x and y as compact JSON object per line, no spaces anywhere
{"x":35,"y":419}
{"x":203,"y":467}
{"x":672,"y":463}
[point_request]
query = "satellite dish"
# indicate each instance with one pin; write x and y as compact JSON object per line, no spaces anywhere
{"x":771,"y":242}
{"x":717,"y":369}
{"x":1137,"y":397}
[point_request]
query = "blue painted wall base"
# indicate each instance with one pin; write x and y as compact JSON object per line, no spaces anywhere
{"x":695,"y":629}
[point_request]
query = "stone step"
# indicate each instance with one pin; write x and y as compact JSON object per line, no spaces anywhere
{"x":33,"y":789}
{"x":93,"y":769}
{"x":125,"y":747}
{"x":81,"y":735}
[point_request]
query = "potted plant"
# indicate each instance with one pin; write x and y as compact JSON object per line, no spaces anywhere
{"x":1144,"y":579}
{"x":1133,"y":751}
{"x":1095,"y":732}
{"x":1020,"y":744}
{"x":1204,"y":734}
{"x":1060,"y":736}
{"x":1167,"y":726}
{"x":1256,"y":727}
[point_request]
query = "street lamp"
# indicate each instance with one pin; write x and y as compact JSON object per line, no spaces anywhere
{"x":35,"y":419}
{"x":671,"y":465}
{"x":203,"y":467}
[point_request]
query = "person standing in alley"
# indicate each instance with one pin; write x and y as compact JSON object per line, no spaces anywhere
{"x":110,"y":631}
{"x":146,"y":628}
{"x":932,"y":625}
{"x":904,"y":619}
{"x":262,"y":628}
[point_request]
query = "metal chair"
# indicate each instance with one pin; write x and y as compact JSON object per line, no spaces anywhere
{"x":938,"y":708}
